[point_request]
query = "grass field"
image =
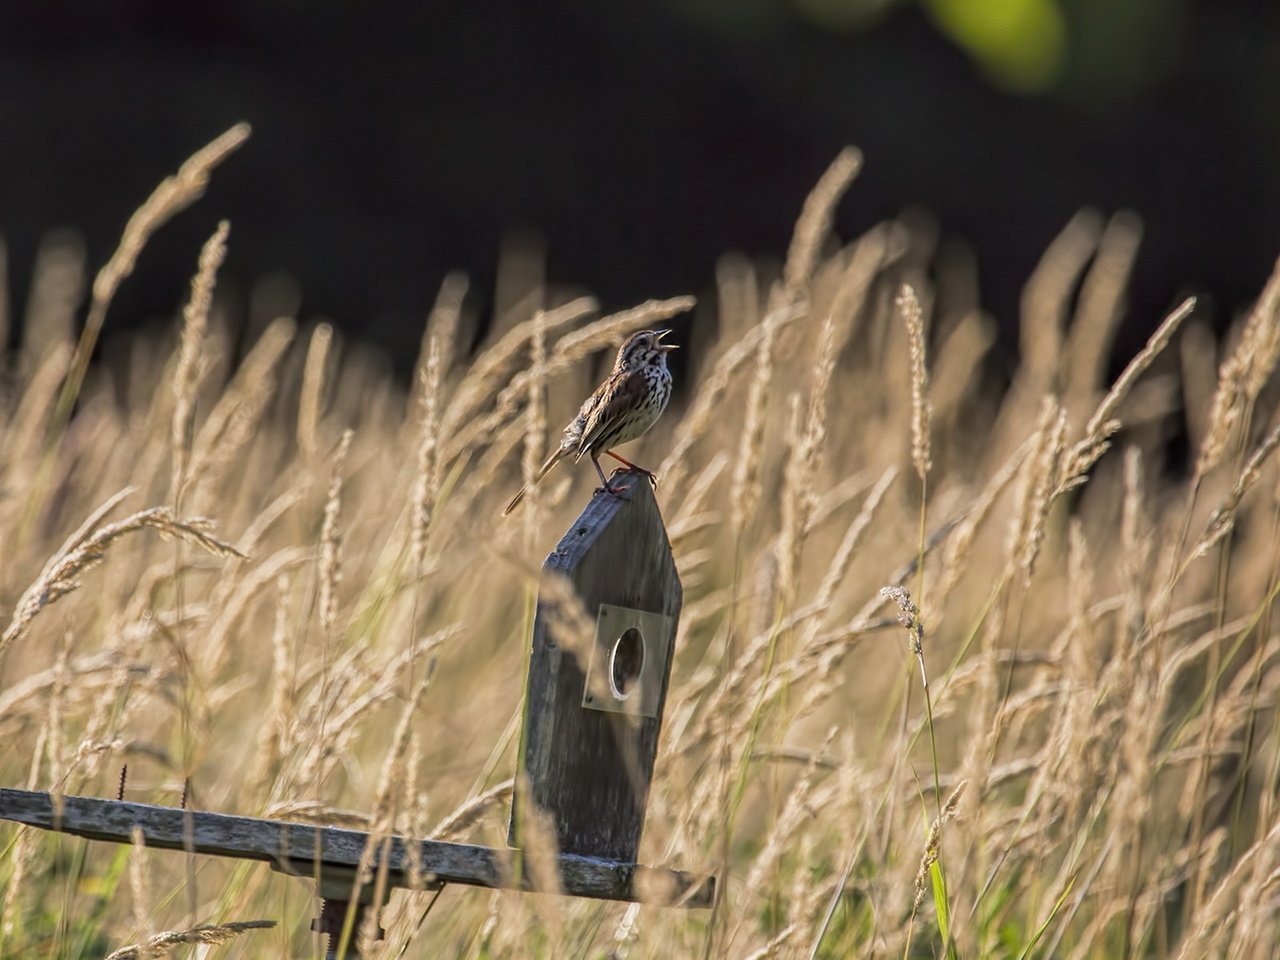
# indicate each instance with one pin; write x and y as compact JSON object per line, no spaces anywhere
{"x":249,"y":560}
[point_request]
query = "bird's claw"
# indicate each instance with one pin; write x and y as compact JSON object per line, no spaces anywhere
{"x":648,"y":475}
{"x":620,"y":491}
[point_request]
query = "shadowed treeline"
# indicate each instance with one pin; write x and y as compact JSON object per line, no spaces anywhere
{"x":397,"y":142}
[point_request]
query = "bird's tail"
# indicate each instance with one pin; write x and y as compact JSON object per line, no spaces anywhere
{"x":542,"y":472}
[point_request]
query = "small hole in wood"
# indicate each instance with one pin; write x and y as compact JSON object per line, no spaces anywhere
{"x":626,"y":663}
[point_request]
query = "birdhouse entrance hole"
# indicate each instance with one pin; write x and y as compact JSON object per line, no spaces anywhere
{"x":629,"y":661}
{"x":626,"y":663}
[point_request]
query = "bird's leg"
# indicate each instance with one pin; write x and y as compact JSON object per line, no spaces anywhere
{"x":653,"y":477}
{"x":595,"y":462}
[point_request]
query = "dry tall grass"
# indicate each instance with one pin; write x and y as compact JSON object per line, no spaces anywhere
{"x":1095,"y":768}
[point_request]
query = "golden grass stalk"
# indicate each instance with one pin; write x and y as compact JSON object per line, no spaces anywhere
{"x":1131,"y":511}
{"x":1198,"y":369}
{"x":815,"y":426}
{"x":1041,"y":479}
{"x":610,"y":331}
{"x":84,"y":551}
{"x":338,"y":696}
{"x":139,"y":887}
{"x":1046,"y":297}
{"x":171,"y":197}
{"x":1026,"y":526}
{"x":186,"y":375}
{"x":961,"y":539}
{"x":426,"y":478}
{"x":705,"y":410}
{"x":569,"y":623}
{"x":1213,"y":919}
{"x":921,"y":412}
{"x":839,"y":564}
{"x":512,"y":391}
{"x":537,"y":842}
{"x":280,"y":713}
{"x":491,"y":370}
{"x":1100,"y":307}
{"x":25,"y":433}
{"x":909,"y":617}
{"x":386,"y":797}
{"x":797,"y":504}
{"x":163,"y":944}
{"x":237,"y":414}
{"x":57,"y":290}
{"x":1223,"y":517}
{"x":311,"y":394}
{"x":795,"y":810}
{"x":1243,"y":375}
{"x":441,"y":335}
{"x":933,"y":845}
{"x":808,"y":442}
{"x":775,"y":944}
{"x":746,"y":466}
{"x":1265,"y":318}
{"x":1103,"y":424}
{"x":816,"y":216}
{"x":393,"y":766}
{"x":23,"y":851}
{"x":535,"y":435}
{"x":313,"y":811}
{"x":958,"y":364}
{"x":456,"y":824}
{"x":54,"y":720}
{"x":695,"y":513}
{"x":414,"y":802}
{"x":233,"y":603}
{"x":85,"y":672}
{"x":331,"y":539}
{"x":495,"y":465}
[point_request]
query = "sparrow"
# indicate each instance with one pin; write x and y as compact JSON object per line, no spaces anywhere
{"x":622,"y":408}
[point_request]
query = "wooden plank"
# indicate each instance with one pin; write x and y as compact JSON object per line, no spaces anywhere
{"x":591,"y":770}
{"x":293,"y":846}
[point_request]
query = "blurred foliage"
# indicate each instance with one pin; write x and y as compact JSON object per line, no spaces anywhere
{"x":1020,"y":44}
{"x":1090,"y":49}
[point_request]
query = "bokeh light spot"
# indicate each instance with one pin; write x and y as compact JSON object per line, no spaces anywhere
{"x":1020,"y":44}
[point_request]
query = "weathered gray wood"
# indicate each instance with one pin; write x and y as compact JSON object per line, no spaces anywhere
{"x":591,"y":770}
{"x":292,"y":847}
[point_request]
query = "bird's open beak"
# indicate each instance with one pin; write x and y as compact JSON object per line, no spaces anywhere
{"x":666,"y":346}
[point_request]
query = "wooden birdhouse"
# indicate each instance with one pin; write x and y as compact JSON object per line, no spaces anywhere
{"x":603,"y":640}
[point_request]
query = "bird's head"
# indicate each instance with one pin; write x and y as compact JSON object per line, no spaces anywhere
{"x":644,"y":349}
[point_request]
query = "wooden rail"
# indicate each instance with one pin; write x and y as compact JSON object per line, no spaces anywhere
{"x":293,"y":848}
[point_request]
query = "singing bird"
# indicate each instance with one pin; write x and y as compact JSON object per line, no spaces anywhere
{"x":621,"y":409}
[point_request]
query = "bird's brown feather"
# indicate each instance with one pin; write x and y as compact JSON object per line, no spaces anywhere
{"x":618,"y":398}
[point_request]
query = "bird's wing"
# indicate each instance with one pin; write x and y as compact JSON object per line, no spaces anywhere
{"x":617,"y":398}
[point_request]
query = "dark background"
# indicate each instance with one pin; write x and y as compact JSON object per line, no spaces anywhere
{"x":393,"y":142}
